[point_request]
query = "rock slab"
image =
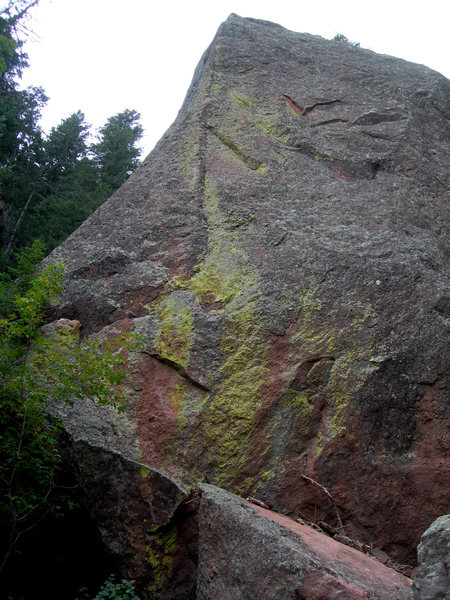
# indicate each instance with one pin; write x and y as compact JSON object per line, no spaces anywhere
{"x":246,"y":551}
{"x":141,"y":516}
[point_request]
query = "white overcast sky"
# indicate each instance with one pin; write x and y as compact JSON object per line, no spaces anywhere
{"x":102,"y":56}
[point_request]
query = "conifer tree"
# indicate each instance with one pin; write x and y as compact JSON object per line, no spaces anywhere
{"x":116,"y":153}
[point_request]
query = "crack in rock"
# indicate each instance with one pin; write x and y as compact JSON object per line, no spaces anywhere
{"x":328,"y":121}
{"x":304,"y":110}
{"x":178,"y":368}
{"x":344,"y":168}
{"x":375,"y":117}
{"x":249,"y":162}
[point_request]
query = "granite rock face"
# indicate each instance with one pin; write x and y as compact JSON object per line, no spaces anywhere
{"x":283,"y":252}
{"x":246,"y":551}
{"x":432,"y":578}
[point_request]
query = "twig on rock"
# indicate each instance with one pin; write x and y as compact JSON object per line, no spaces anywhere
{"x":324,"y":489}
{"x":257,"y":502}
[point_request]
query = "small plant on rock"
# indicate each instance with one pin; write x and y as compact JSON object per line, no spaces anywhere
{"x":339,"y":37}
{"x":110,"y":590}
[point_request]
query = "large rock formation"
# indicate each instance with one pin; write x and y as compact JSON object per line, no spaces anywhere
{"x":283,"y":251}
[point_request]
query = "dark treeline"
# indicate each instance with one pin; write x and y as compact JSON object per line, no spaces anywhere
{"x":49,"y":184}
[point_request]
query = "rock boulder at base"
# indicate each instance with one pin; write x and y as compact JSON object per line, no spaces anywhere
{"x":283,"y":251}
{"x":432,"y":578}
{"x":246,"y":551}
{"x":143,"y":519}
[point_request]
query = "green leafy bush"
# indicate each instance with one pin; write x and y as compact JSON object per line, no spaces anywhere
{"x":110,"y":590}
{"x":38,"y":367}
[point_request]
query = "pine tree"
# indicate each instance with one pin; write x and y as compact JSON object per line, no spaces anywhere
{"x":49,"y":186}
{"x":116,"y":154}
{"x":20,"y":135}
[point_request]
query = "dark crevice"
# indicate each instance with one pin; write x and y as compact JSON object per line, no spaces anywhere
{"x":443,"y":306}
{"x":342,"y":168}
{"x":306,"y":378}
{"x":328,"y":121}
{"x":304,"y":110}
{"x":178,"y":368}
{"x":281,"y":239}
{"x":378,"y":136}
{"x":374,"y":118}
{"x":310,"y":108}
{"x":61,"y":554}
{"x":249,"y":162}
{"x":305,"y":148}
{"x":299,"y":110}
{"x":375,"y":166}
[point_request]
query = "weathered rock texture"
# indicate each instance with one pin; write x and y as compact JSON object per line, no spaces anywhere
{"x":248,"y":552}
{"x":144,"y":519}
{"x":432,"y":578}
{"x":283,"y":251}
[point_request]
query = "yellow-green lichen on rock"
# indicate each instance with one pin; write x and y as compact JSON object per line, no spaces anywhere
{"x":176,"y":397}
{"x":244,"y":156}
{"x":230,"y":412}
{"x":351,"y":368}
{"x":313,"y":335}
{"x":240,"y":99}
{"x":160,"y":552}
{"x":225,"y":272}
{"x":188,"y":401}
{"x":317,"y":336}
{"x":260,"y":115}
{"x":299,"y":413}
{"x":225,"y":276}
{"x":237,"y":400}
{"x":176,"y":335}
{"x":243,"y":116}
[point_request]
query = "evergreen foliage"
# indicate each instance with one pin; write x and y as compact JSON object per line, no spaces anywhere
{"x":50,"y":184}
{"x":116,"y":154}
{"x":20,"y":135}
{"x":340,"y":37}
{"x":64,"y":147}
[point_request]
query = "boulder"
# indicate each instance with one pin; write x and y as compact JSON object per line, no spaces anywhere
{"x":143,"y":520}
{"x":282,"y":250}
{"x":246,"y":551}
{"x":432,"y":578}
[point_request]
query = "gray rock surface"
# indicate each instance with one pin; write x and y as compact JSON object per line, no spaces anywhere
{"x":284,"y":252}
{"x":432,"y":578}
{"x":247,"y":552}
